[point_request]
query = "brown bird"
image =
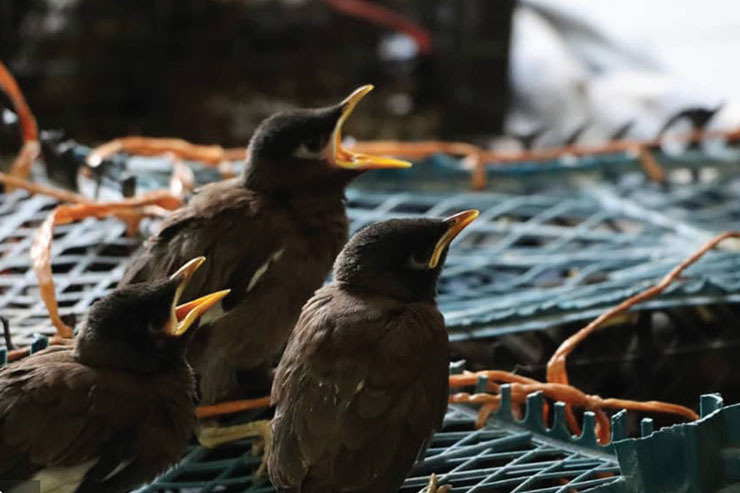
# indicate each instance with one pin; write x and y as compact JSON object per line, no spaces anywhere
{"x":114,"y":409}
{"x":270,"y":235}
{"x":363,"y":382}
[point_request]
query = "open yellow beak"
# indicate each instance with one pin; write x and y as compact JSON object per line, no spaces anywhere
{"x":184,"y":274}
{"x":183,"y":316}
{"x":189,"y":312}
{"x":455,"y":224}
{"x":356,"y":160}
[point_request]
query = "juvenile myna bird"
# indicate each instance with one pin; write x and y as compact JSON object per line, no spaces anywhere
{"x":270,"y":235}
{"x":114,"y":409}
{"x":363,"y":382}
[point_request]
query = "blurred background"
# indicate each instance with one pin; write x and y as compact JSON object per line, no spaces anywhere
{"x":541,"y":72}
{"x":210,"y":70}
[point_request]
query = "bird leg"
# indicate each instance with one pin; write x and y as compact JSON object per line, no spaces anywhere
{"x":213,"y":436}
{"x":432,"y":487}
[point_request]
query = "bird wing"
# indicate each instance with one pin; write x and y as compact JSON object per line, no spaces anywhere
{"x":222,"y":223}
{"x":361,"y":387}
{"x":57,"y":416}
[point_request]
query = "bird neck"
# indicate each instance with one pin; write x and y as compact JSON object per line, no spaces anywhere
{"x":315,"y":203}
{"x":388,"y":288}
{"x":306,"y":203}
{"x":117,"y":356}
{"x":317,"y":181}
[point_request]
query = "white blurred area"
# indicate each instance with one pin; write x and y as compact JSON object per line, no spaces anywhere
{"x":599,"y":65}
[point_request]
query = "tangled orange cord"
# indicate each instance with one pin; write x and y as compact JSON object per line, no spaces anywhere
{"x":129,"y":210}
{"x":155,"y":203}
{"x":557,"y":387}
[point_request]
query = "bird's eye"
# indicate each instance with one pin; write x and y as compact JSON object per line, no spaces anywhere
{"x":417,"y":263}
{"x":311,"y":147}
{"x":316,"y":143}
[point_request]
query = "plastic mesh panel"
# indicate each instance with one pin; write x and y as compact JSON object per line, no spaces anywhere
{"x":528,"y":262}
{"x":501,"y":457}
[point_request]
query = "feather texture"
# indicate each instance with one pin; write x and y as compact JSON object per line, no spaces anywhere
{"x":272,"y":252}
{"x":360,"y":389}
{"x":67,"y":423}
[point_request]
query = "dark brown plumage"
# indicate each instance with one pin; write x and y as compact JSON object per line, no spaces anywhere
{"x":271,"y":236}
{"x":111,"y":411}
{"x":363,"y":382}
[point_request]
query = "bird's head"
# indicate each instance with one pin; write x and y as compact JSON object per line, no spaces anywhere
{"x":141,"y":327}
{"x":301,"y":150}
{"x":400,"y":257}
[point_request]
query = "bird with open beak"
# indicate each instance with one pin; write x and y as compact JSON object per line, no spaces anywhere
{"x":270,"y":235}
{"x":114,"y":409}
{"x":363,"y":383}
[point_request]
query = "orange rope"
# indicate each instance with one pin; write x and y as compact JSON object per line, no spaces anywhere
{"x":557,"y":388}
{"x":23,"y":163}
{"x":231,"y":407}
{"x":475,"y":157}
{"x":9,"y":86}
{"x":130,"y":210}
{"x":521,"y":387}
{"x":57,"y":193}
{"x":211,"y":155}
{"x":556,"y":372}
{"x":21,"y":166}
{"x":479,"y":158}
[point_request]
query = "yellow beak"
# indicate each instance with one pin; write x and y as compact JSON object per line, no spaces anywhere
{"x":356,"y":160}
{"x":189,"y":312}
{"x":455,"y":224}
{"x":183,"y":316}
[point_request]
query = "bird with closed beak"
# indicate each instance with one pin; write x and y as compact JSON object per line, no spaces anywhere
{"x":270,"y":235}
{"x":114,"y":409}
{"x":363,"y":382}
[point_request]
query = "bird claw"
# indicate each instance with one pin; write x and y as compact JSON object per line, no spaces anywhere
{"x":432,"y":487}
{"x":260,"y":431}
